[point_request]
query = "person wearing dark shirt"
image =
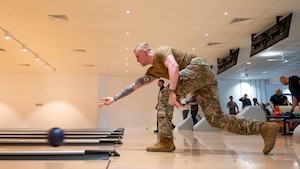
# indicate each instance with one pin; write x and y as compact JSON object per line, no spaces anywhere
{"x":255,"y":102}
{"x":294,"y":87}
{"x":278,"y":99}
{"x":245,"y":101}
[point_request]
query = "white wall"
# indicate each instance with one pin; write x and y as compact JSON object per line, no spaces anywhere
{"x":45,"y":101}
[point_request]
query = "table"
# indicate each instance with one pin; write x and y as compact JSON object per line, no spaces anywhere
{"x":286,"y":121}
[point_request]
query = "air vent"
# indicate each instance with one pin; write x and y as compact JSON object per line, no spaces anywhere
{"x":26,"y":65}
{"x":88,"y":65}
{"x":58,"y":17}
{"x":213,"y":43}
{"x":79,"y":50}
{"x":236,"y":20}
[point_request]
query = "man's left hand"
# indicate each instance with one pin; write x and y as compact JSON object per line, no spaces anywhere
{"x":172,"y":100}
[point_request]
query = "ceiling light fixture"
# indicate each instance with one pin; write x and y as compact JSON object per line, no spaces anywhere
{"x":36,"y":58}
{"x":244,"y":74}
{"x":25,"y":48}
{"x":281,"y":59}
{"x":7,"y":36}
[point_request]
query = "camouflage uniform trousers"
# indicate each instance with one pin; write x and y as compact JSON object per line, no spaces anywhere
{"x":199,"y":77}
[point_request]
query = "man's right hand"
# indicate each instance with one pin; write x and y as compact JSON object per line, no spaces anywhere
{"x":106,"y":101}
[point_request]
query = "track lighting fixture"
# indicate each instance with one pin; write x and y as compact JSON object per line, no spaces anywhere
{"x":24,"y":49}
{"x":36,"y":58}
{"x":8,"y":35}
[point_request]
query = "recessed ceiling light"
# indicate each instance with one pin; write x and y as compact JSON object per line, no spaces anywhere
{"x":206,"y":34}
{"x":264,"y":72}
{"x":270,"y":54}
{"x":126,"y":58}
{"x":193,"y":49}
{"x":127,"y":33}
{"x":127,"y":48}
{"x":225,"y":13}
{"x":127,"y":11}
{"x":248,"y":63}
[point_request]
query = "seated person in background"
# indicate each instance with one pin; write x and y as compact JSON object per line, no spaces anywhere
{"x":278,"y":99}
{"x":255,"y":102}
{"x":264,"y":107}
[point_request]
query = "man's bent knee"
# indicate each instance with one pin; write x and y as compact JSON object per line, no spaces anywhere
{"x":161,"y":114}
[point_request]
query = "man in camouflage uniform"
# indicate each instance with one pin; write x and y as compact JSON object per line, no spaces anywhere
{"x":187,"y":72}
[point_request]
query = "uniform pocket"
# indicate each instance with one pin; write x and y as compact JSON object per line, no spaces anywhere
{"x":186,"y":81}
{"x":187,"y":74}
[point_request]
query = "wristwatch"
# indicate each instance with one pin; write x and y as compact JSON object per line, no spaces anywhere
{"x":172,"y":90}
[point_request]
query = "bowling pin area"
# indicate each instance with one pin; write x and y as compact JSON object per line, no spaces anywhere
{"x":114,"y":149}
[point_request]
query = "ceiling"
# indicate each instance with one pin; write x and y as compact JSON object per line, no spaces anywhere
{"x":98,"y":37}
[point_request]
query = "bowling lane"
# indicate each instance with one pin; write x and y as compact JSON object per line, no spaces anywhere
{"x":93,"y":137}
{"x":52,"y":164}
{"x":66,"y":142}
{"x":46,"y":152}
{"x":45,"y":157}
{"x":20,"y":145}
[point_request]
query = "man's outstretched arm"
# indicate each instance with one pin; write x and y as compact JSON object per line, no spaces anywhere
{"x":142,"y":81}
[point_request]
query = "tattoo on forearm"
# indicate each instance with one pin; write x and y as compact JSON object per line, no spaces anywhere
{"x":143,"y":80}
{"x":129,"y":89}
{"x":126,"y":91}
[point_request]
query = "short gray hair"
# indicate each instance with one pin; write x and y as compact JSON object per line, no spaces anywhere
{"x":142,"y":46}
